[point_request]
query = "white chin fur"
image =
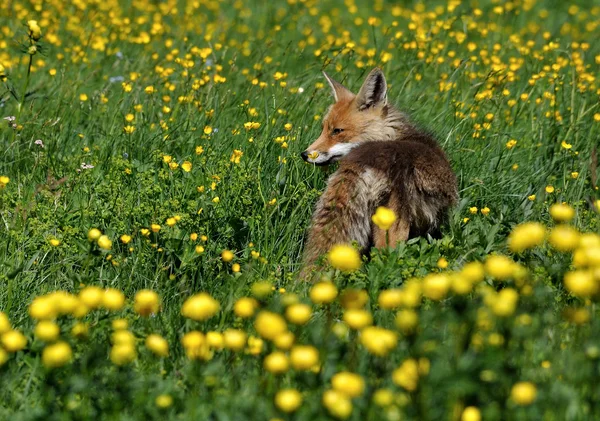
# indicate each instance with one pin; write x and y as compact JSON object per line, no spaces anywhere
{"x":336,"y":152}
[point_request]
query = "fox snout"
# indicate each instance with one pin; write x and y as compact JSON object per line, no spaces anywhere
{"x":334,"y":153}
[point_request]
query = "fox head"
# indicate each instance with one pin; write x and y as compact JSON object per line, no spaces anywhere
{"x":354,"y":119}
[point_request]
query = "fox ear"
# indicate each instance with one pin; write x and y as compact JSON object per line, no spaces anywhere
{"x":339,"y":91}
{"x":373,"y":92}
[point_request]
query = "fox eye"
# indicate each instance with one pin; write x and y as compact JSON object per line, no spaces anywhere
{"x":336,"y":131}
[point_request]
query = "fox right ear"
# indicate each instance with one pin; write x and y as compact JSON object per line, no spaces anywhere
{"x":339,"y":91}
{"x":373,"y":93}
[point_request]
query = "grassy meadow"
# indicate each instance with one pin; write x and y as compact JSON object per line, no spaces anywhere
{"x":154,"y":206}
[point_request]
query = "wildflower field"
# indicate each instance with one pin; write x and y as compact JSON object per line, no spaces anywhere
{"x":154,"y":205}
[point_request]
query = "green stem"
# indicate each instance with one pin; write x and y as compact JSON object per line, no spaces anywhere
{"x":24,"y":92}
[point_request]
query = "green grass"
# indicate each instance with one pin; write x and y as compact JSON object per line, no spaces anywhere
{"x":545,"y":50}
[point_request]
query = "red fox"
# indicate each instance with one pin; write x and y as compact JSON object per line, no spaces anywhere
{"x":385,"y":160}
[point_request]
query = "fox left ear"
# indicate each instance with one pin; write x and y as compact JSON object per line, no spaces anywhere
{"x":373,"y":92}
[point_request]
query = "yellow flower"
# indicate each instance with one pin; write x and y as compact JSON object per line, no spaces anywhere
{"x":288,"y":400}
{"x":337,"y":404}
{"x":4,"y":323}
{"x":442,"y":263}
{"x":80,"y":330}
{"x":104,"y":242}
{"x":435,"y":286}
{"x":13,"y":341}
{"x":407,"y":375}
{"x":378,"y":341}
{"x":91,"y":296}
{"x":129,"y":129}
{"x":383,"y":397}
{"x":523,"y":393}
{"x":236,"y":156}
{"x":564,"y":238}
{"x":47,"y":331}
{"x":2,"y":73}
{"x":227,"y":256}
{"x":344,"y":258}
{"x":146,"y":302}
{"x":158,"y":345}
{"x":121,"y":354}
{"x":276,"y":362}
{"x":4,"y":180}
{"x":581,"y":283}
{"x":485,"y":211}
{"x":304,"y":357}
{"x":234,"y":339}
{"x":200,"y":307}
{"x":357,"y":318}
{"x":57,"y":355}
{"x":171,"y":222}
{"x":505,"y":302}
{"x":215,"y":339}
{"x":525,"y":236}
{"x":186,"y":166}
{"x":42,"y":308}
{"x":531,"y":197}
{"x":471,"y":413}
{"x":566,"y":145}
{"x":207,"y":130}
{"x":323,"y":293}
{"x":163,"y":401}
{"x":473,"y":210}
{"x":113,"y":299}
{"x":298,"y":314}
{"x":284,"y":340}
{"x":245,"y":307}
{"x":511,"y":144}
{"x":155,"y":227}
{"x":350,"y":384}
{"x":34,"y":30}
{"x":129,"y":118}
{"x":288,"y":126}
{"x":269,"y":325}
{"x":54,"y":242}
{"x":384,"y":218}
{"x":83,"y":97}
{"x":499,"y":267}
{"x":574,"y":175}
{"x":125,"y":239}
{"x":390,"y":298}
{"x":199,"y":150}
{"x":562,"y":212}
{"x":149,"y":89}
{"x":407,"y":321}
{"x":549,"y":189}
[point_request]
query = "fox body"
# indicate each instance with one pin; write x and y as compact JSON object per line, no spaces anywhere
{"x":385,"y":160}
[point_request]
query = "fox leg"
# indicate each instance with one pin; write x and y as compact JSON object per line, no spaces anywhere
{"x":343,"y":213}
{"x":399,"y":231}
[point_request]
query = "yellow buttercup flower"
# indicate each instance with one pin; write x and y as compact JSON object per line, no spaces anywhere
{"x":13,"y":341}
{"x":561,"y":212}
{"x":323,"y":293}
{"x":158,"y":345}
{"x":304,"y":357}
{"x":288,"y":400}
{"x":384,"y":218}
{"x":350,"y":384}
{"x":276,"y":362}
{"x":57,"y":355}
{"x":344,"y":258}
{"x":200,"y":307}
{"x":146,"y":302}
{"x":525,"y":236}
{"x":523,"y":393}
{"x":269,"y":324}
